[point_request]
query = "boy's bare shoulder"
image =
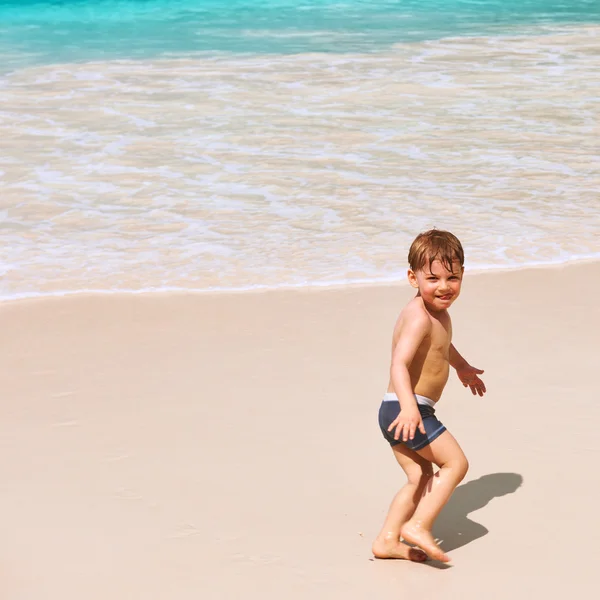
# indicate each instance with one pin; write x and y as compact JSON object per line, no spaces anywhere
{"x":414,"y":314}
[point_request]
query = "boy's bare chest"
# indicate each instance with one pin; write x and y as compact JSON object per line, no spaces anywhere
{"x":440,"y":337}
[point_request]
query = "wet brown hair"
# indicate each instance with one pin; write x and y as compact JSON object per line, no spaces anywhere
{"x":432,"y":245}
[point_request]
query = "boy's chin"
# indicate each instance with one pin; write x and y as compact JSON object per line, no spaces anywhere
{"x":440,"y":303}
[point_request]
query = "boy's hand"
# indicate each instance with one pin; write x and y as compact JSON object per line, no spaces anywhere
{"x":469,"y":377}
{"x":406,"y":424}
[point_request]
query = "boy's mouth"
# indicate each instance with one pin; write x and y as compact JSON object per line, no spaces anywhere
{"x":445,"y":297}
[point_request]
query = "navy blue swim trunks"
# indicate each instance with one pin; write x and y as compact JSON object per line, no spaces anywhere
{"x":390,"y":409}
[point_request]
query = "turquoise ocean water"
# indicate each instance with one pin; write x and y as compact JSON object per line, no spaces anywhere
{"x":35,"y":31}
{"x":212,"y":144}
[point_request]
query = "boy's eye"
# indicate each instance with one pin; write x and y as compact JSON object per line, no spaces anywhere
{"x":432,"y":279}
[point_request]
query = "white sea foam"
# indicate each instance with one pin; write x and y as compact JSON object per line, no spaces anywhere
{"x":251,"y":172}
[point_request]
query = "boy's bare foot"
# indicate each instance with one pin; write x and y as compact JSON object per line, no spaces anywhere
{"x":415,"y":534}
{"x":388,"y":548}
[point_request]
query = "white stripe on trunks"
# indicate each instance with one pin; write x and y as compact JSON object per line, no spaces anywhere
{"x":423,"y":400}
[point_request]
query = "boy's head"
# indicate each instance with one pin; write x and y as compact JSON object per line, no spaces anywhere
{"x":436,"y":260}
{"x":432,"y":245}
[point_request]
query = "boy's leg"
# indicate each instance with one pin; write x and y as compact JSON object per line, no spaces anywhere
{"x":448,"y":456}
{"x":418,"y":471}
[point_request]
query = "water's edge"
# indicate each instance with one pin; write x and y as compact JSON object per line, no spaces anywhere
{"x":301,"y":288}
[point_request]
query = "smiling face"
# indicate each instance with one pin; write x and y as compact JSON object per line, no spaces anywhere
{"x":439,"y":287}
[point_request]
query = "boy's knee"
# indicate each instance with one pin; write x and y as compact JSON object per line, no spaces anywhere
{"x":461,"y":467}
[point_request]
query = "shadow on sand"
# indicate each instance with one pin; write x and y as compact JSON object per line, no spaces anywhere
{"x":453,"y":526}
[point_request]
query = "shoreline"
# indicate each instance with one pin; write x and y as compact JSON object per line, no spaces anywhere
{"x":309,"y":287}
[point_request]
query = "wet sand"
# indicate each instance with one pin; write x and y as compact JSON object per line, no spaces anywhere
{"x":226,"y":446}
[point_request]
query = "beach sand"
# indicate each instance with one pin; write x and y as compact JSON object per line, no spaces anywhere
{"x":226,"y":446}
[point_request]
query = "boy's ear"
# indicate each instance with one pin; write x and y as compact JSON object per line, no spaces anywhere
{"x":412,"y":279}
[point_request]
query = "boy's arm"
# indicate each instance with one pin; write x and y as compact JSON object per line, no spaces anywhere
{"x":468,"y":375}
{"x":412,"y":335}
{"x":455,"y":359}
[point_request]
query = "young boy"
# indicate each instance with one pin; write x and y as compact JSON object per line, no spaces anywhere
{"x":422,"y":354}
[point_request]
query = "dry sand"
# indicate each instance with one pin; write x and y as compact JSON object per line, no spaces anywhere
{"x":226,"y":446}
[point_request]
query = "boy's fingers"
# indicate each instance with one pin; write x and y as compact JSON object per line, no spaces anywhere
{"x":395,"y":423}
{"x":398,"y":432}
{"x":422,"y":428}
{"x":401,"y":430}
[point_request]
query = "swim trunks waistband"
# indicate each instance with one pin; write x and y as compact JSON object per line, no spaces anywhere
{"x":423,"y":400}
